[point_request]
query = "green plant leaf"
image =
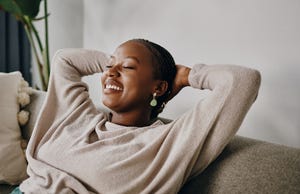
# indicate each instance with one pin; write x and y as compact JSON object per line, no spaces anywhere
{"x":19,"y":8}
{"x":29,"y":7}
{"x":11,"y":7}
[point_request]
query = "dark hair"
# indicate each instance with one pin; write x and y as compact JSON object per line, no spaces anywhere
{"x":164,"y":69}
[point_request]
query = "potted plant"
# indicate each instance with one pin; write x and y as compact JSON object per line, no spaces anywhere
{"x":26,"y":11}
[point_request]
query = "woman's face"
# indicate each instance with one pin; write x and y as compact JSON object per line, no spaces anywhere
{"x":127,"y":83}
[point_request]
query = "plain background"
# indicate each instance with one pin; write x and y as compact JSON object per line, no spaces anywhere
{"x":262,"y":34}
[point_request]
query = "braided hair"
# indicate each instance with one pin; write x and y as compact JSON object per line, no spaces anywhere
{"x":164,"y":69}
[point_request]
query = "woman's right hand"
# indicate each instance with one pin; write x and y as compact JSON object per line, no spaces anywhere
{"x":180,"y":81}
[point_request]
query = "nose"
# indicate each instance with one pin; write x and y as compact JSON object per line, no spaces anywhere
{"x":113,"y":71}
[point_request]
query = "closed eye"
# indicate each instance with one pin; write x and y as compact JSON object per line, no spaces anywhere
{"x":128,"y":67}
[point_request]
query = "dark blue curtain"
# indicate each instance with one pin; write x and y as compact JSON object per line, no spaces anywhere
{"x":15,"y":51}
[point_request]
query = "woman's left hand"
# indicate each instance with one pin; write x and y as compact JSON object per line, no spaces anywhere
{"x":180,"y":81}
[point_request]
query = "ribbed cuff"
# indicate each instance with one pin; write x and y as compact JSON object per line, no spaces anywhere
{"x":194,"y":76}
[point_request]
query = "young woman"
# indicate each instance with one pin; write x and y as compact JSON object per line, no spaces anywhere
{"x":76,"y":148}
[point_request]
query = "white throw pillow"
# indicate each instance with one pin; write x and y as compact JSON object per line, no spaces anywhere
{"x":12,"y":159}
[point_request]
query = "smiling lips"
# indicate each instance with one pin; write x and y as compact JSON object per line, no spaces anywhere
{"x":113,"y":87}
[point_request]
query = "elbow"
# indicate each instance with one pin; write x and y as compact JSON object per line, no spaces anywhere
{"x":61,"y":58}
{"x":58,"y":56}
{"x":254,"y":77}
{"x":254,"y":82}
{"x":246,"y":82}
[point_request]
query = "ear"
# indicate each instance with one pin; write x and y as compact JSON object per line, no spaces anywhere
{"x":160,"y":87}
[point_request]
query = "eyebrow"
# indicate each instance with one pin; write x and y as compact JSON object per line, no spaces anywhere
{"x":128,"y":57}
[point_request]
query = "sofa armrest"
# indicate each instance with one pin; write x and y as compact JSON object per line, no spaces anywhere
{"x":250,"y":166}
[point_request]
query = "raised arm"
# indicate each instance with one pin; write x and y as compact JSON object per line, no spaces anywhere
{"x":216,"y":118}
{"x":66,"y":91}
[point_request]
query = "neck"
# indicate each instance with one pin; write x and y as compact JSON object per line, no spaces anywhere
{"x":136,"y":118}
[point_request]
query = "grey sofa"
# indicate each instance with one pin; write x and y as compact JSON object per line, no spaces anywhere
{"x":245,"y":166}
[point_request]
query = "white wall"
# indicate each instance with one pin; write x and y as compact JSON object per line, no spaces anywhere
{"x":65,"y":27}
{"x":262,"y":34}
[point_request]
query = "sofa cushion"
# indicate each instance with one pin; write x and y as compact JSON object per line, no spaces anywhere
{"x":12,"y":158}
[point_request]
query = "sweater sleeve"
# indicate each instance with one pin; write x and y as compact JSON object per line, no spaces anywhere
{"x":66,"y":90}
{"x":217,"y":117}
{"x":68,"y":67}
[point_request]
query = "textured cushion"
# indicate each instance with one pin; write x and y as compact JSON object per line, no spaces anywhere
{"x":37,"y":99}
{"x":250,"y":166}
{"x":12,"y":159}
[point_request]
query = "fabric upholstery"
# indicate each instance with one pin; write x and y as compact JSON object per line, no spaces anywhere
{"x":250,"y":166}
{"x":12,"y":159}
{"x":37,"y":99}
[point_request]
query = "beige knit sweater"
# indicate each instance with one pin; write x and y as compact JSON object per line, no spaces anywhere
{"x":75,"y":149}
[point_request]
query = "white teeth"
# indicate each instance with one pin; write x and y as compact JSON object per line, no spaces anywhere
{"x":113,"y":87}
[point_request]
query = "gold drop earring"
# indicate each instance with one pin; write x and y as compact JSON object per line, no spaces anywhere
{"x":153,"y":102}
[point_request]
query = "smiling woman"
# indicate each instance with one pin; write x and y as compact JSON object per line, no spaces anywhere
{"x":130,"y":82}
{"x":128,"y":149}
